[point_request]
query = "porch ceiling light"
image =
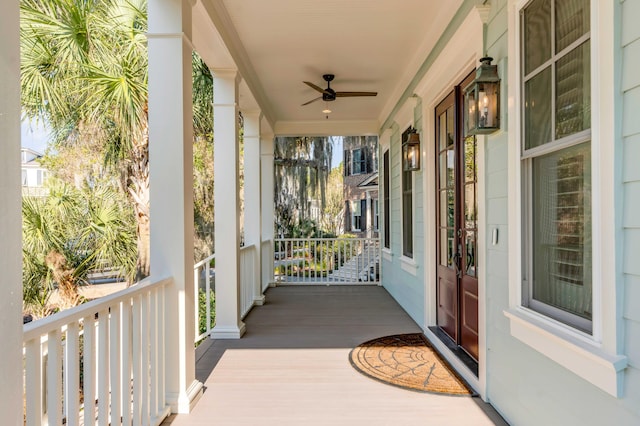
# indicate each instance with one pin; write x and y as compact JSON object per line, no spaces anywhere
{"x":411,"y":152}
{"x":482,"y":100}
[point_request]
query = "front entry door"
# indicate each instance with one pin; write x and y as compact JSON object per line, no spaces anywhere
{"x":456,"y":242}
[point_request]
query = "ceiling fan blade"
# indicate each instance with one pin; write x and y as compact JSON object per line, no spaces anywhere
{"x":351,"y":94}
{"x":312,"y":100}
{"x":314,"y":87}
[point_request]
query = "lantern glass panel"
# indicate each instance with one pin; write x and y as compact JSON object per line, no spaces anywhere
{"x":411,"y":156}
{"x":470,"y":110}
{"x":487,"y":105}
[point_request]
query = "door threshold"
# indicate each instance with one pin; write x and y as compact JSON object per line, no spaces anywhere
{"x":456,"y":350}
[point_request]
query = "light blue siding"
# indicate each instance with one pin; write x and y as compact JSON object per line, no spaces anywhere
{"x":524,"y":385}
{"x":406,"y":288}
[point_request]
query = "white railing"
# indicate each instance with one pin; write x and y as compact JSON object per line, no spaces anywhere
{"x":101,"y":362}
{"x":248,"y":285}
{"x":267,"y":263}
{"x":204,"y":281}
{"x":327,"y":261}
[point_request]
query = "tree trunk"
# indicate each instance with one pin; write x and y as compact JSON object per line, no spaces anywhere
{"x":138,"y":186}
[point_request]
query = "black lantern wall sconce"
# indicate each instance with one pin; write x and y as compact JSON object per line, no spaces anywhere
{"x":411,"y":152}
{"x":482,"y":100}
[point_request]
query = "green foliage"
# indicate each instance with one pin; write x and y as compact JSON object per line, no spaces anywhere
{"x":302,"y":167}
{"x":70,"y":233}
{"x":202,"y":310}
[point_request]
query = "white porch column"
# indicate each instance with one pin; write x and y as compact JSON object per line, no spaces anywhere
{"x":10,"y":212}
{"x":171,"y":190}
{"x":267,"y":197}
{"x":227,"y":204}
{"x":252,"y":195}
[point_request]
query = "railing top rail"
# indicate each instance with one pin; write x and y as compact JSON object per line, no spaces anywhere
{"x":37,"y":328}
{"x":249,"y":247}
{"x":205,"y":260}
{"x":327,"y":239}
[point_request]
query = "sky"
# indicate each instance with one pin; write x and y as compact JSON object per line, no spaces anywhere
{"x":336,"y":158}
{"x":34,"y":136}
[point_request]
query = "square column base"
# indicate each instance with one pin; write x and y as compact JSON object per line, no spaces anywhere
{"x":185,"y":401}
{"x":259,"y":300}
{"x":228,"y":332}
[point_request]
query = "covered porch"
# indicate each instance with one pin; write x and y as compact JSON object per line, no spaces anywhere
{"x":277,"y":354}
{"x":292,"y":366}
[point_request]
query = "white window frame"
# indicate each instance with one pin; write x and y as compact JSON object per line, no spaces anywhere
{"x":408,"y":264}
{"x":356,"y":204}
{"x":362,"y":164}
{"x":595,"y":357}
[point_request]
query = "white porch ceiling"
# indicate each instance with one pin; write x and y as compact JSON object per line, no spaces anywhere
{"x":370,"y":45}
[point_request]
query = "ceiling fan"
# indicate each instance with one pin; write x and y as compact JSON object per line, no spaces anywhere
{"x":329,"y":94}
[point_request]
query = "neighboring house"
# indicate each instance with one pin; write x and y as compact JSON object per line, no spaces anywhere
{"x":360,"y":165}
{"x":34,"y":175}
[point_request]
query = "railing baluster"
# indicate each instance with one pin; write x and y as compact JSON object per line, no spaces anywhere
{"x":72,"y":375}
{"x":125,"y":332}
{"x":144,"y":353}
{"x":137,"y":361}
{"x":33,"y":382}
{"x":103,"y":368}
{"x":196,"y":295}
{"x":54,"y":378}
{"x":161,"y":326}
{"x":114,"y":363}
{"x":207,"y":298}
{"x":154,"y":354}
{"x":89,"y":368}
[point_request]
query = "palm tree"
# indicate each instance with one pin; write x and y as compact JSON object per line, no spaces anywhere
{"x":84,"y":72}
{"x":70,"y":233}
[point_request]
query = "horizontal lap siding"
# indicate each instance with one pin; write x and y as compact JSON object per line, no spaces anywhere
{"x":408,"y":290}
{"x":524,"y":385}
{"x":631,"y":199}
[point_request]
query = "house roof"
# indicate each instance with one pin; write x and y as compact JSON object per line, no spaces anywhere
{"x":371,"y":181}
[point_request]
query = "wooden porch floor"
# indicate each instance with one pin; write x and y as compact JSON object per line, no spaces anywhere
{"x":292,"y":367}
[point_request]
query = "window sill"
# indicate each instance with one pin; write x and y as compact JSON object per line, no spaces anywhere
{"x":386,"y":254}
{"x":409,"y":265}
{"x":580,"y":356}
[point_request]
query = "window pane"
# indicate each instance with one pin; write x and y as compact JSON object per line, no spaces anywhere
{"x":450,"y":207}
{"x":470,"y":253}
{"x":572,"y":21}
{"x":537,"y":34}
{"x":445,"y":218}
{"x":573,"y":91}
{"x":470,"y":206}
{"x":470,"y":159}
{"x":562,"y":230}
{"x":537,"y":110}
{"x":357,"y":161}
{"x":446,"y":247}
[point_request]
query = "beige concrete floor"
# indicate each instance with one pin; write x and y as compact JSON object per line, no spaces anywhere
{"x":292,"y":367}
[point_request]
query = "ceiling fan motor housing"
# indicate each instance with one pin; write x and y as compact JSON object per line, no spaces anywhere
{"x":329,"y":95}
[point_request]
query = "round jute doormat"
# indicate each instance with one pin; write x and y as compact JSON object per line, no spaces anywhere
{"x":407,"y":361}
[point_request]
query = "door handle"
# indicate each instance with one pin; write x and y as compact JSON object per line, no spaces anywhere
{"x":456,"y":262}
